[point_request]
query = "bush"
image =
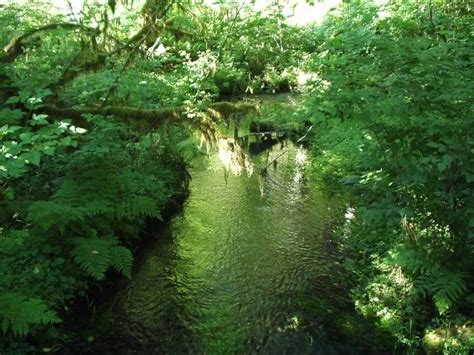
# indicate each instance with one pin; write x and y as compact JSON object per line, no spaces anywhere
{"x":393,"y":108}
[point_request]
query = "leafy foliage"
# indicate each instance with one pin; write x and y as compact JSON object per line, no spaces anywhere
{"x":392,"y":101}
{"x":19,"y":313}
{"x":70,"y":205}
{"x":64,"y":192}
{"x":96,"y":256}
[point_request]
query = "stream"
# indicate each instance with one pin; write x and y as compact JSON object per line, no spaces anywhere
{"x":247,"y":267}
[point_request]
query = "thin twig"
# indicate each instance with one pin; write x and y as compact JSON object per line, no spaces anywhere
{"x":286,"y":150}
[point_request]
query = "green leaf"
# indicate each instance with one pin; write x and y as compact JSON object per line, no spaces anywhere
{"x":12,"y":100}
{"x":6,"y":129}
{"x":49,"y":150}
{"x":10,"y":116}
{"x":19,"y":313}
{"x":39,"y":120}
{"x":96,"y":256}
{"x":35,"y":158}
{"x":66,"y":141}
{"x":8,"y":193}
{"x":26,"y":137}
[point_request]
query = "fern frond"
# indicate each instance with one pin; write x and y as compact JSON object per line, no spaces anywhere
{"x":68,"y":192}
{"x":138,"y":206}
{"x":413,"y":261}
{"x":19,"y":313}
{"x":12,"y":240}
{"x":449,"y":287}
{"x":121,"y":259}
{"x":445,"y":287}
{"x":47,"y":214}
{"x":96,"y":208}
{"x":95,"y":256}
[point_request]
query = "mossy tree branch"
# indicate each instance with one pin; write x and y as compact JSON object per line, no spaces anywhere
{"x":147,"y":120}
{"x":14,"y":48}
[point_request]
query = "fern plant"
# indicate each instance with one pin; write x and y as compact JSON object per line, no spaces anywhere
{"x":446,"y":288}
{"x":20,"y":314}
{"x":138,"y":206}
{"x":95,"y":256}
{"x":48,"y":214}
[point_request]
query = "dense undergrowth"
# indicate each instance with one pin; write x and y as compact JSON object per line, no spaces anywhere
{"x":71,"y":221}
{"x":393,"y":112}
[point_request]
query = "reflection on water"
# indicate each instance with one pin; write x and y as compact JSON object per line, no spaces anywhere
{"x":246,"y":267}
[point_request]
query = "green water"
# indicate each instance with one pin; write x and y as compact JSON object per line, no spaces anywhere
{"x":247,"y":267}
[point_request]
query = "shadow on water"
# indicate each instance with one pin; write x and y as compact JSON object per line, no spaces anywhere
{"x":247,"y":267}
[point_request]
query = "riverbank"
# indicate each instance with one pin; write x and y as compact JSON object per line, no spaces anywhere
{"x":90,"y":316}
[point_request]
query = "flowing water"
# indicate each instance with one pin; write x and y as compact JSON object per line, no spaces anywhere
{"x":247,"y":267}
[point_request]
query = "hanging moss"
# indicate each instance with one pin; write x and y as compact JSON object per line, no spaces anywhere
{"x":146,"y":120}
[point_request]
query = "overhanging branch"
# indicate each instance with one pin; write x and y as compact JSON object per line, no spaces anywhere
{"x":146,"y":120}
{"x":13,"y":49}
